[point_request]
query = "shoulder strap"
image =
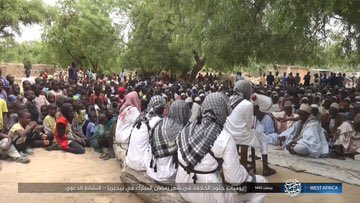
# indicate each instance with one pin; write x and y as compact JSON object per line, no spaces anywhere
{"x":152,"y":130}
{"x":219,"y":160}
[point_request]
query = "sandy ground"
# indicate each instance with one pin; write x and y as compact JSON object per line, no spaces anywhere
{"x":63,"y":167}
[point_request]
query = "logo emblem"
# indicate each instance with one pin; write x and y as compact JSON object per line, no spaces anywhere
{"x":292,"y":187}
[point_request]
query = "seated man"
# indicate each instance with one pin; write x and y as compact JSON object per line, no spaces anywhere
{"x":347,"y":139}
{"x":305,"y":137}
{"x":285,"y":119}
{"x":204,"y":149}
{"x":239,"y":123}
{"x":163,"y":159}
{"x":137,"y":154}
{"x":332,"y":120}
{"x":265,"y":124}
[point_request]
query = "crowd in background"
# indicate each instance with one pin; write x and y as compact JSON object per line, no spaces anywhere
{"x":161,"y":121}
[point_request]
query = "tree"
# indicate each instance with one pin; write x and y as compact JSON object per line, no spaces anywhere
{"x":218,"y":34}
{"x":231,"y":33}
{"x":27,"y":65}
{"x":82,"y":31}
{"x":153,"y":45}
{"x":16,"y":12}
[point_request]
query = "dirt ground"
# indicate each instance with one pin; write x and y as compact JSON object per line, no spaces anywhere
{"x":60,"y":167}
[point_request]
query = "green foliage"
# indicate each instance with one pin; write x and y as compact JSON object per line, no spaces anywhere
{"x":154,"y":44}
{"x":184,"y":35}
{"x":82,"y":31}
{"x":27,"y":64}
{"x":12,"y":51}
{"x":231,"y":33}
{"x":16,"y":12}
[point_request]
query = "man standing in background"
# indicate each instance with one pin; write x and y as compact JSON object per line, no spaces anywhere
{"x":73,"y":72}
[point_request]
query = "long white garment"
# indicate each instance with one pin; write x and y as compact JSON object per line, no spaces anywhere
{"x":239,"y":126}
{"x":311,"y":135}
{"x":11,"y":151}
{"x":138,"y":151}
{"x":195,"y":111}
{"x":124,"y":126}
{"x":165,"y":166}
{"x":224,"y":147}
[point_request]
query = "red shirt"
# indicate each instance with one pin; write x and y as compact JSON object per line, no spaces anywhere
{"x":93,"y":97}
{"x":64,"y":140}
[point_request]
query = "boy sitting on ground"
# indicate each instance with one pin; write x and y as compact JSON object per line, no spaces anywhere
{"x":20,"y":134}
{"x":7,"y":148}
{"x":50,"y":125}
{"x":43,"y":113}
{"x":99,"y":133}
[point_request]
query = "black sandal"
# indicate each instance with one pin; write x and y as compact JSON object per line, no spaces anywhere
{"x":269,"y":172}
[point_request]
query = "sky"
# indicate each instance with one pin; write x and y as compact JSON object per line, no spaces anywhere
{"x":34,"y":31}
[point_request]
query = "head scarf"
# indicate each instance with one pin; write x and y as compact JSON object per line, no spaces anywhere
{"x":197,"y":137}
{"x":242,"y":90}
{"x":131,"y":99}
{"x":156,"y":102}
{"x":163,"y":141}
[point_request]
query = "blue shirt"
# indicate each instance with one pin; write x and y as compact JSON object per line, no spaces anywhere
{"x":267,"y":125}
{"x":90,"y":129}
{"x":6,"y":83}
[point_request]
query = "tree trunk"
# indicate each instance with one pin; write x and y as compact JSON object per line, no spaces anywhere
{"x":200,"y":63}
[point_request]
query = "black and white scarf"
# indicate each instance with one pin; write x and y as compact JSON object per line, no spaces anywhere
{"x":197,"y":138}
{"x":163,"y":140}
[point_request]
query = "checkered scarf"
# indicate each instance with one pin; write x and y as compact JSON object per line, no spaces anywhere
{"x":242,"y":90}
{"x":155,"y":103}
{"x":197,"y":138}
{"x":164,"y":138}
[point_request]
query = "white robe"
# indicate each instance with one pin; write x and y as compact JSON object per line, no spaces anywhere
{"x":195,"y":111}
{"x":224,"y":147}
{"x":138,"y":150}
{"x":239,"y":126}
{"x":124,"y":126}
{"x":311,"y":135}
{"x":166,"y":170}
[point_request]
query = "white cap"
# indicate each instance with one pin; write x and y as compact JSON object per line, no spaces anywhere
{"x":335,"y":105}
{"x":197,"y":99}
{"x":189,"y":100}
{"x":264,"y":102}
{"x":314,"y":106}
{"x":305,"y":107}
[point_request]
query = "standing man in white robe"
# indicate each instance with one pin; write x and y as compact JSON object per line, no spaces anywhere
{"x":240,"y":123}
{"x":201,"y":146}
